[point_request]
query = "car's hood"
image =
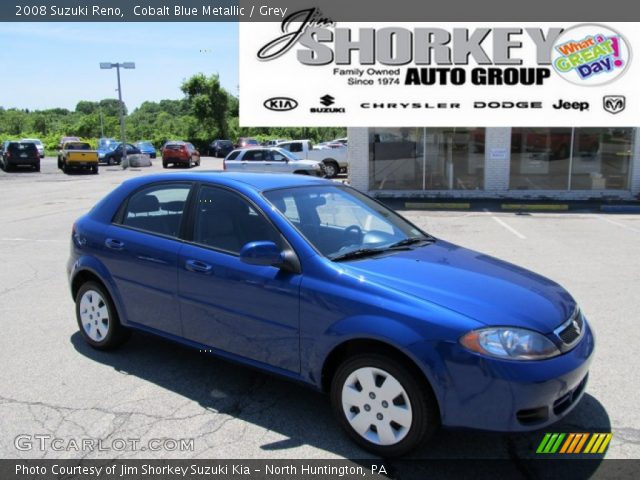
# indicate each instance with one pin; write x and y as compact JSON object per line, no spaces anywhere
{"x":478,"y":286}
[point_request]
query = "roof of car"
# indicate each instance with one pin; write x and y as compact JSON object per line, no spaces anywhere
{"x":256,"y":181}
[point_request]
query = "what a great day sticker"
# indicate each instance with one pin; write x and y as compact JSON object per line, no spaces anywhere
{"x":591,"y":54}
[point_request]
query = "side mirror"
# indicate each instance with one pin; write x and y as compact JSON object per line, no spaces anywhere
{"x":262,"y":253}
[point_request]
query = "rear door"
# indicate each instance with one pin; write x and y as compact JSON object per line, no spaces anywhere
{"x":246,"y":310}
{"x":141,"y":251}
{"x":255,"y":160}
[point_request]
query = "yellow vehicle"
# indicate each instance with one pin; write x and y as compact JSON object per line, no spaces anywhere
{"x":77,"y":155}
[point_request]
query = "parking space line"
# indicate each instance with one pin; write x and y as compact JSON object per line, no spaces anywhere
{"x":30,"y":240}
{"x":618,"y":224}
{"x":505,"y":225}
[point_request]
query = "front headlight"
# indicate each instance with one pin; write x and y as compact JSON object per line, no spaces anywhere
{"x":510,"y":343}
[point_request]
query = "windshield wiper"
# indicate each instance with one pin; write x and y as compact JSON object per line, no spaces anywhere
{"x":410,"y":241}
{"x":360,"y":252}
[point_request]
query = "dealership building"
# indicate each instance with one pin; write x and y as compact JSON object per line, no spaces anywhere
{"x":522,"y":163}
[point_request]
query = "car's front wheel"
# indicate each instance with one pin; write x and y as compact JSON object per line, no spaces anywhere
{"x":98,"y":319}
{"x":382,"y":405}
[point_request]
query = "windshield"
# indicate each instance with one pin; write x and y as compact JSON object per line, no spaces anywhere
{"x":287,"y":154}
{"x":338,"y":220}
{"x":145,"y":145}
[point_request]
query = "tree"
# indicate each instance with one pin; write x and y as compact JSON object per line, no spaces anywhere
{"x":209,"y":103}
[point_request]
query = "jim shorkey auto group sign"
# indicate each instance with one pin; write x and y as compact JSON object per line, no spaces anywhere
{"x":314,"y":71}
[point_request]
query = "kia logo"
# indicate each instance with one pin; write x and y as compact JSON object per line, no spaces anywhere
{"x":280,"y":104}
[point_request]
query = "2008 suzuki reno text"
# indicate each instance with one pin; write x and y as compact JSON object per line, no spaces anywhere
{"x":312,"y":280}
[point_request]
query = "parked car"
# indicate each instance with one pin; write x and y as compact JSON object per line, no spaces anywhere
{"x":77,"y":156}
{"x":20,"y":154}
{"x":147,"y":148}
{"x":180,"y":154}
{"x":319,"y":283}
{"x":244,"y":142}
{"x":220,"y":148}
{"x":335,"y":160}
{"x":64,"y":140}
{"x":114,"y":155}
{"x":273,"y":143}
{"x":104,"y":146}
{"x":39,"y":145}
{"x":270,"y":160}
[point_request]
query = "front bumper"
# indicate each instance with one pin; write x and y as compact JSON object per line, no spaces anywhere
{"x":510,"y":396}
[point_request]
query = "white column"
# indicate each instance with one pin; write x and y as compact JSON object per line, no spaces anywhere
{"x":359,"y":157}
{"x":497,"y":159}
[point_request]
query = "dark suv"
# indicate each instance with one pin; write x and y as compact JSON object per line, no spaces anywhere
{"x":16,"y":154}
{"x":220,"y":148}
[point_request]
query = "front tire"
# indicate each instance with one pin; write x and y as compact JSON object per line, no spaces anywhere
{"x":98,"y":319}
{"x":382,"y":406}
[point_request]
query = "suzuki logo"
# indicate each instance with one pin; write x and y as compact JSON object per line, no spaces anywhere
{"x":280,"y":104}
{"x":327,"y":100}
{"x":614,"y":103}
{"x":576,"y":325}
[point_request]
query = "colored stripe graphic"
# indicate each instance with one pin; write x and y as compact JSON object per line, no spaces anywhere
{"x":574,"y":443}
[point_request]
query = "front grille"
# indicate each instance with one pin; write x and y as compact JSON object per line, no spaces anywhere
{"x":571,"y":331}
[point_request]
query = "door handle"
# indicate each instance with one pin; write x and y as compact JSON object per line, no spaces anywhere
{"x":114,"y":244}
{"x":198,"y":266}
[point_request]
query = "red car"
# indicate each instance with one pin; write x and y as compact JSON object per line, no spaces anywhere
{"x":180,"y":153}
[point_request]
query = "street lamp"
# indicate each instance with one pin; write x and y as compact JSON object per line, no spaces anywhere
{"x":108,"y":66}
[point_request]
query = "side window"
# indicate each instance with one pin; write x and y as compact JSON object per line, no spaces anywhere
{"x":233,"y":155}
{"x":296,"y":147}
{"x":226,"y":221}
{"x":254,"y":155}
{"x":286,"y":146}
{"x":157,"y":209}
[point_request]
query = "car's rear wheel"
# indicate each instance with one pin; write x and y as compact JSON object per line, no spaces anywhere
{"x":65,"y":168}
{"x":98,"y":319}
{"x":94,"y":169}
{"x":165,"y":164}
{"x":331,"y":169}
{"x":110,"y":161}
{"x":382,"y":406}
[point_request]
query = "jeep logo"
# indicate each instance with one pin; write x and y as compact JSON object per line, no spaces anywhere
{"x":280,"y":104}
{"x":613,"y":103}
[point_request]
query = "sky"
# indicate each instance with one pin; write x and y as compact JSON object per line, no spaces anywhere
{"x":47,"y":65}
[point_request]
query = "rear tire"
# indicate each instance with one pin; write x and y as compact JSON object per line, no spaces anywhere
{"x":98,"y":319}
{"x":37,"y":167}
{"x":384,"y":406}
{"x":331,"y":169}
{"x":165,"y":165}
{"x":94,"y":169}
{"x":65,"y":168}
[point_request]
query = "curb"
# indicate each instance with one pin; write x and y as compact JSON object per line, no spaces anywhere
{"x":435,"y":206}
{"x":545,"y":207}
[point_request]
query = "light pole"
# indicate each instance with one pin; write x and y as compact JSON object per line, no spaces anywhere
{"x":107,"y":66}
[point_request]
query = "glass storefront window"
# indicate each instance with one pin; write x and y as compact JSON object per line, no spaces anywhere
{"x":601,"y":158}
{"x":570,"y":159}
{"x":540,"y":158}
{"x":427,"y":158}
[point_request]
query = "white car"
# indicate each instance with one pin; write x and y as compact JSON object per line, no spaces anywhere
{"x":38,"y":143}
{"x":271,"y":160}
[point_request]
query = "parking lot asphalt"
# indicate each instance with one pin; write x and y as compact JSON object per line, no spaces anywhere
{"x":52,"y":384}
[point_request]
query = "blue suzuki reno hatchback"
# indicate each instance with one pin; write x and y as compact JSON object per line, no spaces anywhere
{"x":314,"y":281}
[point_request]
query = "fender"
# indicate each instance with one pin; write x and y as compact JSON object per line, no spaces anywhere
{"x":86,"y":263}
